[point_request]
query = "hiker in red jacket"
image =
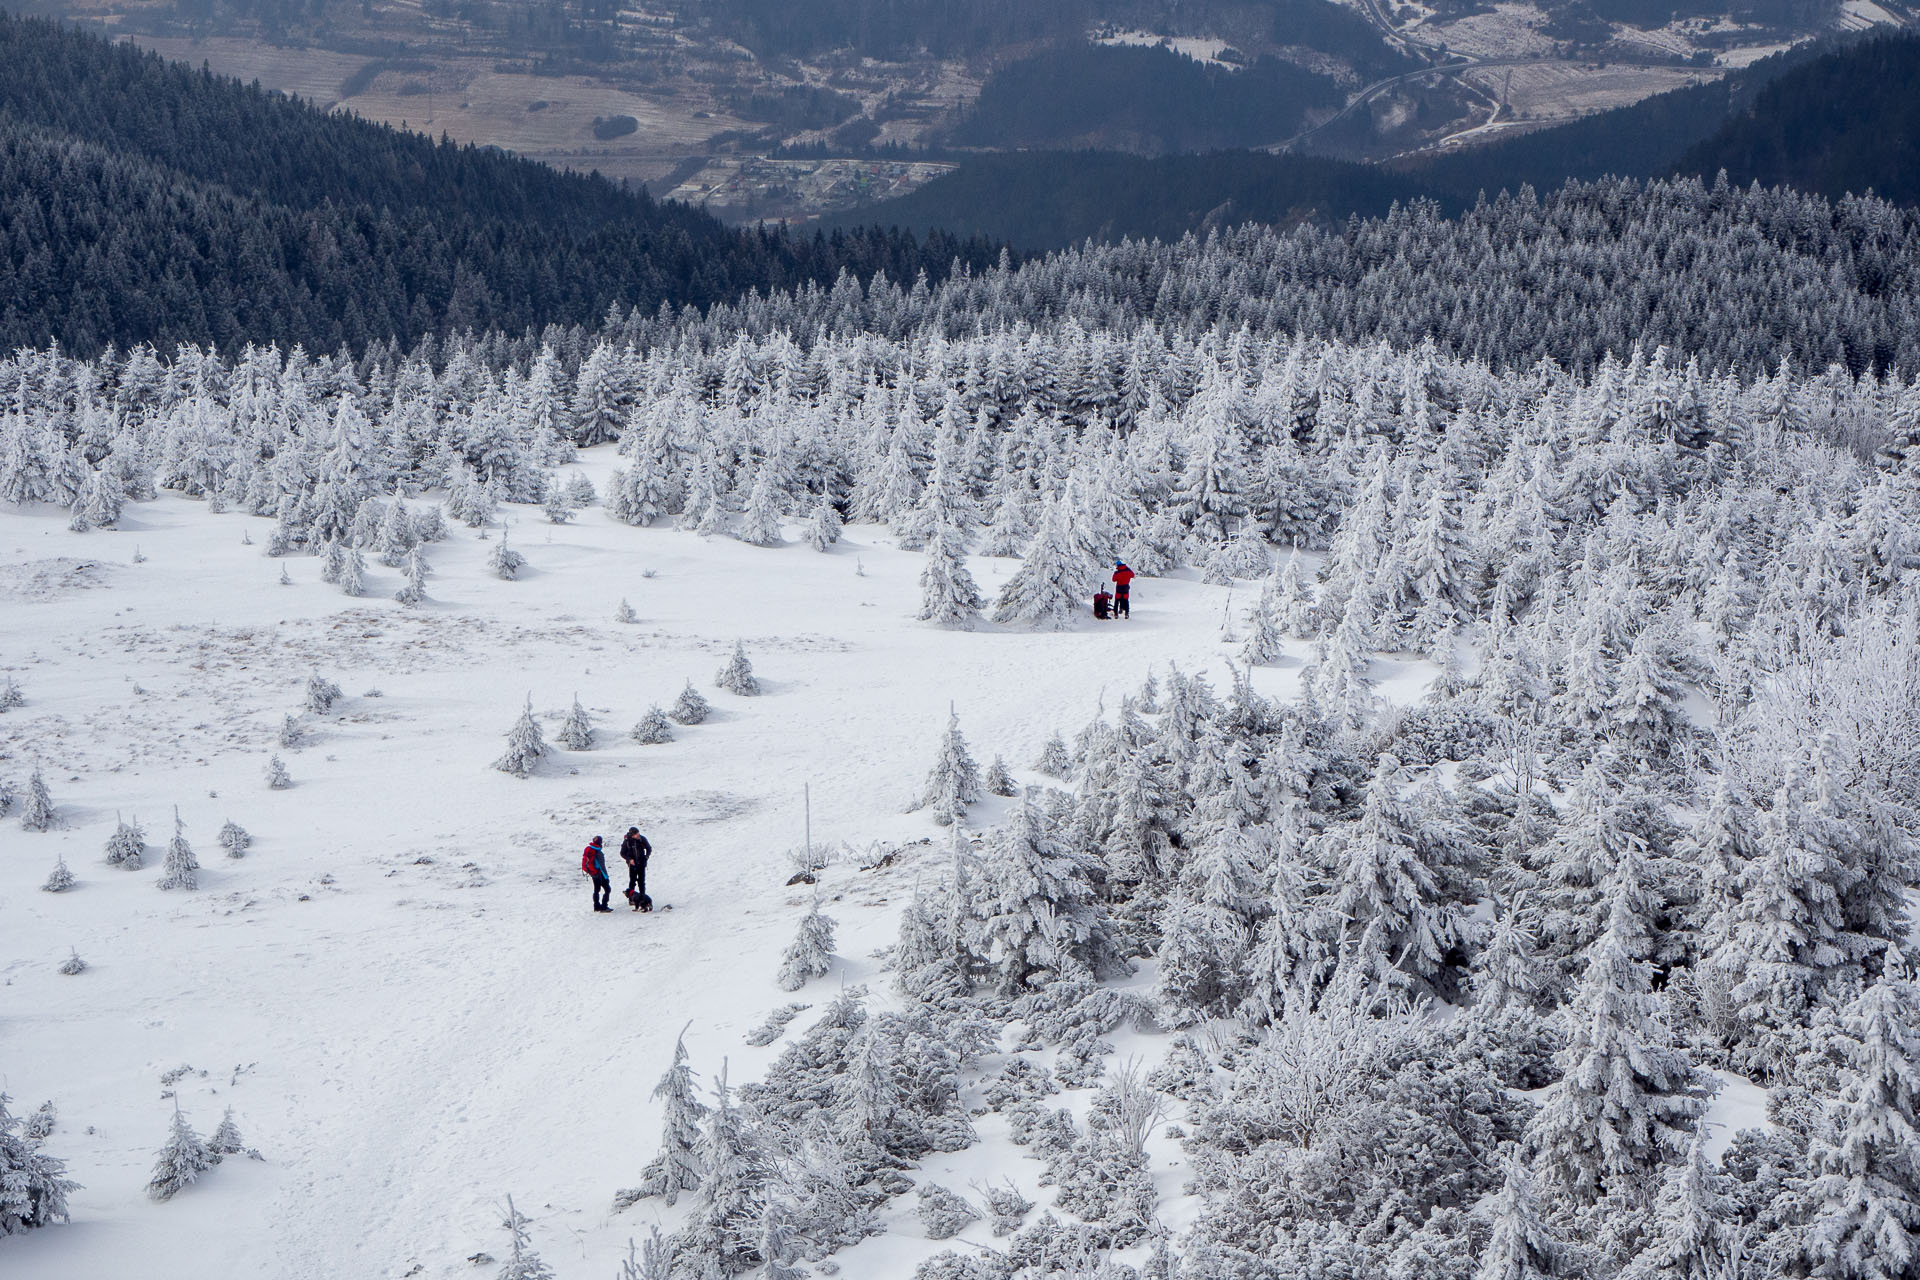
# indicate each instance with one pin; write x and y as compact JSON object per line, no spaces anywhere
{"x":1122,"y":590}
{"x":593,"y":861}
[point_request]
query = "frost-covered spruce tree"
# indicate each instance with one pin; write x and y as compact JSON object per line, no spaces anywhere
{"x":396,"y":536}
{"x":126,"y":846}
{"x":505,"y":562}
{"x":1034,"y":916}
{"x":10,"y":695}
{"x":226,"y":1140}
{"x":677,"y":1167}
{"x":181,"y":1161}
{"x":36,"y":812}
{"x":554,"y":503}
{"x":810,"y":954}
{"x":1000,"y":779}
{"x":734,"y":1171}
{"x":353,"y":577}
{"x":1519,"y":1247}
{"x":1867,"y":1226}
{"x":73,"y":964}
{"x":235,"y":840}
{"x":525,"y":745}
{"x":414,"y":589}
{"x":823,"y":526}
{"x":576,"y":732}
{"x":1053,"y":582}
{"x":333,"y":562}
{"x":322,"y":693}
{"x":625,"y":613}
{"x":292,"y":732}
{"x":277,"y":776}
{"x":760,"y":523}
{"x":944,"y":1213}
{"x":522,"y":1262}
{"x":182,"y":870}
{"x":1693,"y":1236}
{"x":60,"y":879}
{"x":1627,"y":1098}
{"x":949,"y":597}
{"x":954,"y":781}
{"x":655,"y":1262}
{"x":1263,"y":647}
{"x":737,"y":676}
{"x":652,"y":728}
{"x":1055,"y":760}
{"x":33,"y":1186}
{"x":690,"y":707}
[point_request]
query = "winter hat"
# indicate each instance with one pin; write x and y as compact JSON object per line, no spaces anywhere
{"x":595,"y":840}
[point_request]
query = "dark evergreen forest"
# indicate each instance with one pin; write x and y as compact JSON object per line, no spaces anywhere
{"x":142,"y":201}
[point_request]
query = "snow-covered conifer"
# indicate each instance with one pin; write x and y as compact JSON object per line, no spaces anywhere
{"x":277,"y":776}
{"x":1055,"y":761}
{"x":576,"y":733}
{"x":690,"y":707}
{"x":1694,"y":1229}
{"x":1867,"y":1226}
{"x":333,"y":562}
{"x":823,"y":526}
{"x":954,"y":781}
{"x":126,"y":846}
{"x":181,"y":1161}
{"x":73,"y":964}
{"x":625,"y":613}
{"x":1055,"y":580}
{"x":226,"y":1140}
{"x":33,"y":1186}
{"x":737,"y":676}
{"x":36,"y":812}
{"x":554,"y":503}
{"x":523,"y":1263}
{"x":414,"y":590}
{"x":504,"y":561}
{"x":1520,"y":1246}
{"x":652,"y":728}
{"x":949,"y":596}
{"x":396,"y":536}
{"x":182,"y":869}
{"x":235,"y":840}
{"x":10,"y":695}
{"x":60,"y":879}
{"x":760,"y":523}
{"x":525,"y":745}
{"x":353,"y":575}
{"x":322,"y":693}
{"x":677,"y":1167}
{"x":1263,"y":647}
{"x":1035,"y":917}
{"x":810,"y":955}
{"x":292,"y":733}
{"x":999,"y":780}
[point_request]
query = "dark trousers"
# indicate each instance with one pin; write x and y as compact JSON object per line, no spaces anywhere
{"x":602,"y":890}
{"x":1122,"y":604}
{"x":637,"y":879}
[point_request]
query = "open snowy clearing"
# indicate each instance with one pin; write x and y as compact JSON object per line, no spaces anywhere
{"x":401,"y":991}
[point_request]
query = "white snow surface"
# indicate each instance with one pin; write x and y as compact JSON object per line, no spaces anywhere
{"x":401,"y":991}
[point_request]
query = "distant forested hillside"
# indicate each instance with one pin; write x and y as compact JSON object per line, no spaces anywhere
{"x":1048,"y":200}
{"x":141,"y":201}
{"x":1828,"y":122}
{"x":1844,"y":122}
{"x":1143,"y":99}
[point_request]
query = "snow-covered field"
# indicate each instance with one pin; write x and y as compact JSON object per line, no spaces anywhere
{"x":401,"y":991}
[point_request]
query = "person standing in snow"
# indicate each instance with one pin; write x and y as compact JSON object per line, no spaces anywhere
{"x":634,"y":851}
{"x":1122,"y":590}
{"x":593,"y":861}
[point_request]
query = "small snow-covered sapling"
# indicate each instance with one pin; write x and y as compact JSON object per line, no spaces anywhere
{"x":182,"y":868}
{"x":810,"y":954}
{"x":60,"y":879}
{"x":690,"y":707}
{"x":525,"y":745}
{"x":235,"y":840}
{"x":1000,"y":780}
{"x":73,"y":963}
{"x":654,"y":727}
{"x":181,"y":1161}
{"x":576,"y":734}
{"x":36,"y":814}
{"x":10,"y":695}
{"x":625,"y":612}
{"x":737,"y":676}
{"x":322,"y":693}
{"x":277,"y":774}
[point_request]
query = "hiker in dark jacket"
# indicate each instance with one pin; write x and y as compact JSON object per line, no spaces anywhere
{"x":593,"y":861}
{"x":633,"y":851}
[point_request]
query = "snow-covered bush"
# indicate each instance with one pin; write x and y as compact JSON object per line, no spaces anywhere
{"x":652,"y":728}
{"x":33,"y":1186}
{"x":810,"y":954}
{"x":181,"y":1161}
{"x":277,"y":777}
{"x":60,"y":879}
{"x":944,"y":1213}
{"x":234,"y":839}
{"x":126,"y":846}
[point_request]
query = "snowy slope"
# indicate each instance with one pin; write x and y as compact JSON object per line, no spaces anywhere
{"x":401,"y":990}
